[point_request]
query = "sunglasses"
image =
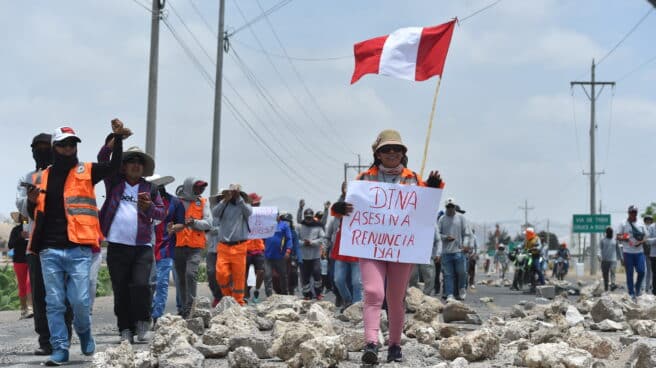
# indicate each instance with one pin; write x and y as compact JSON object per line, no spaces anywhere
{"x":66,"y":143}
{"x":390,"y":148}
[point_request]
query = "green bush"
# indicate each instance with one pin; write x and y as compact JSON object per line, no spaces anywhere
{"x":104,"y":286}
{"x":8,"y":289}
{"x":202,"y":273}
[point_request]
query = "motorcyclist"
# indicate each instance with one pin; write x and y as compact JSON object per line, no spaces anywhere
{"x":533,"y":247}
{"x":563,"y":253}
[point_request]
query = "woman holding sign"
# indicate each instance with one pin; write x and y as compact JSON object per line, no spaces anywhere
{"x":386,"y":279}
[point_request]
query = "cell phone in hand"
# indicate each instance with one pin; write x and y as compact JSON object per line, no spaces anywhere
{"x":27,"y":185}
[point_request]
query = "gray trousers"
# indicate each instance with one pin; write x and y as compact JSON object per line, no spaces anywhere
{"x":280,"y":265}
{"x":608,"y":272}
{"x":187,"y":261}
{"x":427,"y":274}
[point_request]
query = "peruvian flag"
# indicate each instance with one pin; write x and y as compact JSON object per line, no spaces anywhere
{"x":412,"y":53}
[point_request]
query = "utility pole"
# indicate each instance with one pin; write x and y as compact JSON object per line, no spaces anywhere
{"x":653,"y":2}
{"x":151,"y":114}
{"x":593,"y":173}
{"x":216,"y":130}
{"x":526,"y":208}
{"x":357,"y":167}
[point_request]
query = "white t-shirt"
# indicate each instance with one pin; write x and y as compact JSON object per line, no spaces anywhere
{"x":628,"y":245}
{"x":124,"y":226}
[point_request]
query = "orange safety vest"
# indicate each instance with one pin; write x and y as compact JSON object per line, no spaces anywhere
{"x":80,"y":207}
{"x":190,"y":237}
{"x":408,"y":177}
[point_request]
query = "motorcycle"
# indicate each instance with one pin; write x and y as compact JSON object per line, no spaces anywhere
{"x":559,"y":268}
{"x":523,"y":263}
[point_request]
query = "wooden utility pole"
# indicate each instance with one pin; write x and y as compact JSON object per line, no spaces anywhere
{"x":593,"y":173}
{"x":151,"y":113}
{"x":526,"y":208}
{"x":216,"y":131}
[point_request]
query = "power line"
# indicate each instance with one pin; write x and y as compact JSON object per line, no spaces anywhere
{"x":651,"y":9}
{"x":649,"y":61}
{"x":263,"y":15}
{"x":479,"y":11}
{"x":341,"y":141}
{"x":202,"y":18}
{"x":295,"y":58}
{"x":143,"y":6}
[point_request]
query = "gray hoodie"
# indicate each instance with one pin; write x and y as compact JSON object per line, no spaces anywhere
{"x":457,"y":227}
{"x":315,"y":234}
{"x":232,"y":219}
{"x":187,"y":196}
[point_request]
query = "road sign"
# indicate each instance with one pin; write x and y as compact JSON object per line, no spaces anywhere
{"x":590,"y":223}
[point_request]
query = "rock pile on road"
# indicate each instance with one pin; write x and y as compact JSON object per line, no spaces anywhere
{"x":598,"y":330}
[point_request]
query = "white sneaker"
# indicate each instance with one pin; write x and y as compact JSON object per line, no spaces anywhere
{"x":473,"y":287}
{"x":143,"y":328}
{"x":463,"y":294}
{"x":450,"y":298}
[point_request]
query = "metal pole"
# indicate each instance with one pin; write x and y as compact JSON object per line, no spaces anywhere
{"x":151,"y":114}
{"x":345,"y":168}
{"x":593,"y":176}
{"x":216,"y":131}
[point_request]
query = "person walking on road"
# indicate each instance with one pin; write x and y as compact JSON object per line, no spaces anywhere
{"x":311,"y":237}
{"x":383,"y":279}
{"x":609,"y":253}
{"x":66,"y":227}
{"x":277,"y":251}
{"x":255,"y":257}
{"x":650,"y":227}
{"x":632,"y":235}
{"x":233,"y":213}
{"x":190,"y":240}
{"x":18,"y":242}
{"x":454,"y":235}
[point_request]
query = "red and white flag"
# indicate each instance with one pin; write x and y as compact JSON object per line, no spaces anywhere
{"x":412,"y":53}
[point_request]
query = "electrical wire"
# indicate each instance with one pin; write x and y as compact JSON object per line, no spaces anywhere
{"x":263,"y":15}
{"x":295,"y":58}
{"x":576,"y":132}
{"x":143,"y":6}
{"x":340,"y":140}
{"x":649,"y":61}
{"x":479,"y":11}
{"x":279,"y":161}
{"x":651,"y":9}
{"x":202,"y":18}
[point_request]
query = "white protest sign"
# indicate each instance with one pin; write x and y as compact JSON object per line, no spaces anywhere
{"x":390,"y":222}
{"x":263,"y":222}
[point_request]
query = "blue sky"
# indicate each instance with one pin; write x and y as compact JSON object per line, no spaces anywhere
{"x":507,"y":128}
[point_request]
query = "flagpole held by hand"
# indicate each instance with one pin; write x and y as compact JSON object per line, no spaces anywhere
{"x":430,"y":126}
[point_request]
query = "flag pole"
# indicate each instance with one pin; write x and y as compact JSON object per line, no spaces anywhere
{"x":430,"y":127}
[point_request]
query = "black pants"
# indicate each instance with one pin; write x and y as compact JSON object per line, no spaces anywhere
{"x":311,"y":269}
{"x":471,"y":270}
{"x":280,"y":266}
{"x":653,"y":274}
{"x":210,"y":263}
{"x":292,"y":276}
{"x":438,"y":274}
{"x":39,"y":303}
{"x":186,"y":261}
{"x":129,"y":269}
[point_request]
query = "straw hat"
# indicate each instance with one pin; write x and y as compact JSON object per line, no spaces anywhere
{"x":160,"y":181}
{"x":388,"y":137}
{"x":149,"y":163}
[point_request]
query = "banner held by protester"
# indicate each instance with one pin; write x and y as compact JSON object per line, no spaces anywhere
{"x":390,"y":222}
{"x":263,"y":222}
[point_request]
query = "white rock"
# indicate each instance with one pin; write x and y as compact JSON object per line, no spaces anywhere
{"x":474,"y":346}
{"x":285,"y":315}
{"x":243,"y":357}
{"x":599,"y":347}
{"x":354,"y":312}
{"x":643,"y":355}
{"x":320,"y":318}
{"x":608,"y":325}
{"x":324,"y":351}
{"x":290,"y":336}
{"x":558,"y":355}
{"x":606,"y":308}
{"x":643,"y":328}
{"x":258,"y":344}
{"x":428,"y":310}
{"x":573,"y":316}
{"x":182,"y":355}
{"x":414,"y":297}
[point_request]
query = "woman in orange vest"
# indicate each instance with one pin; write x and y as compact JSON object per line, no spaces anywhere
{"x":62,"y":202}
{"x":385,"y":279}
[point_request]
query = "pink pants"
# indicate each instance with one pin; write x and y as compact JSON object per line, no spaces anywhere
{"x":374,"y":276}
{"x":23,"y":278}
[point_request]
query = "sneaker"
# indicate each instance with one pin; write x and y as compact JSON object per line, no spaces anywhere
{"x":462,"y":295}
{"x":43,"y":350}
{"x":256,"y":297}
{"x":26,"y":313}
{"x":394,"y":353}
{"x":370,"y":355}
{"x":58,"y":357}
{"x":307,"y":297}
{"x":87,"y":343}
{"x":450,"y":298}
{"x":126,"y":335}
{"x":473,"y":287}
{"x":142,"y":330}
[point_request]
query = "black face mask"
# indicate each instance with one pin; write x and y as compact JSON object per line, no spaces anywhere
{"x":42,"y":157}
{"x":61,"y":162}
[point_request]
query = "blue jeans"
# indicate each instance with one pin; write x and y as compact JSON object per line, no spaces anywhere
{"x":348,"y":281}
{"x":164,"y":267}
{"x":453,"y":264}
{"x":637,"y":261}
{"x":66,"y":276}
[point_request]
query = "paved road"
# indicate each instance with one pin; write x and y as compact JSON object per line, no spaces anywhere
{"x":17,"y":339}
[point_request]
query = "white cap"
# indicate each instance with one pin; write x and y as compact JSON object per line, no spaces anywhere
{"x":62,"y":133}
{"x":159,"y":180}
{"x":450,"y":202}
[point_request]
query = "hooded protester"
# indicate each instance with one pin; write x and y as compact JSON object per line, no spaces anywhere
{"x":311,"y":238}
{"x":131,"y":206}
{"x":233,"y":212}
{"x":382,"y":279}
{"x":42,"y":154}
{"x":190,"y":239}
{"x":66,"y":228}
